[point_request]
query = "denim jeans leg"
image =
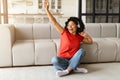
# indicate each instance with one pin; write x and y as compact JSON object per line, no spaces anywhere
{"x":76,"y":59}
{"x":60,"y":63}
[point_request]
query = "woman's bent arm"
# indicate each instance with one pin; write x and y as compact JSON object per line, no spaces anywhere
{"x":87,"y":38}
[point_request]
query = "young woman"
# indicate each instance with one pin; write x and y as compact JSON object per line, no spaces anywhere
{"x":70,"y":53}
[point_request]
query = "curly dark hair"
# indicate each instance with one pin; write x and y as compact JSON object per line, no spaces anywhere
{"x":78,"y":22}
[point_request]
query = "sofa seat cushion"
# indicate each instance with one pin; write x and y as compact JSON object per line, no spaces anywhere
{"x":91,"y":52}
{"x":57,"y":42}
{"x":44,"y":51}
{"x":117,"y":41}
{"x":23,"y":53}
{"x":107,"y":50}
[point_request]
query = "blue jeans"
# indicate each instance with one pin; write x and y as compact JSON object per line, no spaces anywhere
{"x":63,"y":63}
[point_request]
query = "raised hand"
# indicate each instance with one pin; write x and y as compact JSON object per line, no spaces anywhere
{"x":84,"y":34}
{"x":46,"y":4}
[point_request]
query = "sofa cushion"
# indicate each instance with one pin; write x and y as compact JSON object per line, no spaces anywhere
{"x":54,"y":33}
{"x":57,"y":42}
{"x":6,"y":39}
{"x":118,"y":50}
{"x":118,"y":30}
{"x":93,"y":29}
{"x":106,"y":50}
{"x":117,"y":41}
{"x":44,"y":51}
{"x":23,"y":31}
{"x":41,"y":31}
{"x":108,"y":30}
{"x":23,"y":53}
{"x":91,"y":52}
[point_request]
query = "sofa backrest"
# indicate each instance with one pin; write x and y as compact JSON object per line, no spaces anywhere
{"x":23,"y":31}
{"x":118,"y":30}
{"x":102,"y":30}
{"x":54,"y":33}
{"x":32,"y":31}
{"x":47,"y":31}
{"x":96,"y":30}
{"x":93,"y":29}
{"x":41,"y":31}
{"x":108,"y":30}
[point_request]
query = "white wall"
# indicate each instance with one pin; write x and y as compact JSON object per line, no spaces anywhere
{"x":69,"y":8}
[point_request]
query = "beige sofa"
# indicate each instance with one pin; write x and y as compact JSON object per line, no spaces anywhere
{"x":36,"y":44}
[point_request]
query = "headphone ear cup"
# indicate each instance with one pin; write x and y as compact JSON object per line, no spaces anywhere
{"x":78,"y":26}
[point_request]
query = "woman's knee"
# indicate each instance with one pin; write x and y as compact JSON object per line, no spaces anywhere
{"x":54,"y":60}
{"x":82,"y":51}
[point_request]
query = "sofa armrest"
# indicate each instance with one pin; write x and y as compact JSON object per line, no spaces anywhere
{"x":118,"y":30}
{"x":6,"y":41}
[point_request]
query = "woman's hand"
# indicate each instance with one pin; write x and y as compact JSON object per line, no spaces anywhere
{"x":46,"y":4}
{"x":84,"y":34}
{"x":87,"y":39}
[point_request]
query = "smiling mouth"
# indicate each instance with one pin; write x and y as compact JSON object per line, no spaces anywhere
{"x":70,"y":29}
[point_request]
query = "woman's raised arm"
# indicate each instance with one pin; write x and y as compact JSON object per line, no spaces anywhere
{"x":52,"y":19}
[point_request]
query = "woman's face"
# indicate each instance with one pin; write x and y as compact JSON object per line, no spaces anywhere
{"x":72,"y":27}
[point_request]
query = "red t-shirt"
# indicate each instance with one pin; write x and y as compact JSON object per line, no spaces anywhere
{"x":69,"y":44}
